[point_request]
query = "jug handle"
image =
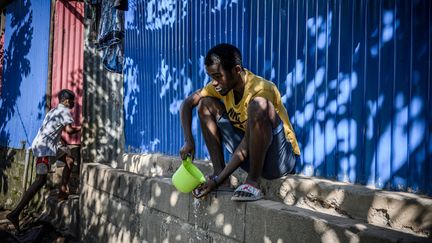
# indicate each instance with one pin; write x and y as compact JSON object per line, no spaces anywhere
{"x":188,"y":159}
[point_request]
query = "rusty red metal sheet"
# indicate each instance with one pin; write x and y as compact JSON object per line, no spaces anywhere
{"x":67,"y":65}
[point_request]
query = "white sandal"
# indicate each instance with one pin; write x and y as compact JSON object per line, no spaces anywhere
{"x":253,"y":193}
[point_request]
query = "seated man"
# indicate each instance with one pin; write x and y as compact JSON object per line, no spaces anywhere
{"x":46,"y":150}
{"x":244,"y":112}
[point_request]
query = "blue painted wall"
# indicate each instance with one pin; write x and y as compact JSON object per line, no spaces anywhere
{"x":25,"y":71}
{"x":355,"y":78}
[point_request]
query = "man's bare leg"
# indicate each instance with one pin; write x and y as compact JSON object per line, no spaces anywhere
{"x":26,"y":198}
{"x":209,"y":111}
{"x":262,"y":118}
{"x":67,"y":169}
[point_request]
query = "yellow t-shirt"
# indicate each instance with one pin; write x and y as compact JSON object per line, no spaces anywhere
{"x":255,"y":87}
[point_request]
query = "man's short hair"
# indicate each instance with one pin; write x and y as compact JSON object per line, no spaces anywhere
{"x":65,"y":94}
{"x":226,"y":54}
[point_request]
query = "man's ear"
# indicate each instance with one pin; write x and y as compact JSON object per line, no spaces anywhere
{"x":238,"y":69}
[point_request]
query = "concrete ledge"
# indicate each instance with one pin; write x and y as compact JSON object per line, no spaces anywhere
{"x":406,"y":212}
{"x":119,"y":183}
{"x":295,"y":224}
{"x":173,"y":217}
{"x":403,"y":211}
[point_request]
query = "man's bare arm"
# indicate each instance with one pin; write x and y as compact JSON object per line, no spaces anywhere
{"x":186,"y":121}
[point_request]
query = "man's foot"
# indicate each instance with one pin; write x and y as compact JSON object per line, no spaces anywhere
{"x":14,"y":219}
{"x":247,"y":192}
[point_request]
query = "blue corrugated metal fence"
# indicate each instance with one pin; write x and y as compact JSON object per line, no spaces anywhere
{"x":25,"y":71}
{"x":355,"y":78}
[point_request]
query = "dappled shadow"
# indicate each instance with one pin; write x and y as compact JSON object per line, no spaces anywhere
{"x":102,"y":134}
{"x":354,"y":76}
{"x":340,"y":67}
{"x":359,"y":113}
{"x":74,"y":11}
{"x":123,"y":206}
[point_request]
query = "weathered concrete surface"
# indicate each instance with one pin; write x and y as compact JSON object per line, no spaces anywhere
{"x":160,"y":214}
{"x":399,"y":210}
{"x":220,"y":215}
{"x":276,"y":221}
{"x":63,"y":215}
{"x":102,"y":137}
{"x":402,"y":211}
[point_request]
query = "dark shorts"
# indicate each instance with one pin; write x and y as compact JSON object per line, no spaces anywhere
{"x":280,"y":159}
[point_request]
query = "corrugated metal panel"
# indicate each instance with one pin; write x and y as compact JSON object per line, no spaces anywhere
{"x":68,"y":52}
{"x":22,"y":104}
{"x":355,"y":77}
{"x":158,"y":70}
{"x":102,"y":135}
{"x":1,"y":58}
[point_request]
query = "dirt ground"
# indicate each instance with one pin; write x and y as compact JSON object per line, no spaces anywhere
{"x":32,"y":230}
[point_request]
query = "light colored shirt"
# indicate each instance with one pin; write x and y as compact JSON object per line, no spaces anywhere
{"x":255,"y":86}
{"x":48,"y":136}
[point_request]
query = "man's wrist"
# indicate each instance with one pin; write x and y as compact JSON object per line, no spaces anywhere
{"x":215,"y":179}
{"x":189,"y":140}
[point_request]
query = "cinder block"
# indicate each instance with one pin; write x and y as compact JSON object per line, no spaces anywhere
{"x":266,"y":221}
{"x":117,"y":182}
{"x":142,"y":220}
{"x":97,"y":228}
{"x":219,"y":214}
{"x":142,"y":191}
{"x":129,"y":185}
{"x":166,"y":228}
{"x":169,"y":164}
{"x":119,"y":212}
{"x":108,"y":180}
{"x":101,"y":176}
{"x":165,"y":198}
{"x":142,"y":164}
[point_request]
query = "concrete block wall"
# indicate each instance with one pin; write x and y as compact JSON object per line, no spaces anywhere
{"x":121,"y":206}
{"x":398,"y":210}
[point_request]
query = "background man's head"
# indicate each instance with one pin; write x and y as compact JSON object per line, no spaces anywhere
{"x":66,"y":97}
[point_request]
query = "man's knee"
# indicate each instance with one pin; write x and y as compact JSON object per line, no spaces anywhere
{"x":259,"y":109}
{"x":262,"y":110}
{"x":69,"y":160}
{"x":209,"y":106}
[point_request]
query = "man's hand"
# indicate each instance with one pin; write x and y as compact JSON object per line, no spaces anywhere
{"x":205,"y":188}
{"x":71,"y":130}
{"x":188,"y":149}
